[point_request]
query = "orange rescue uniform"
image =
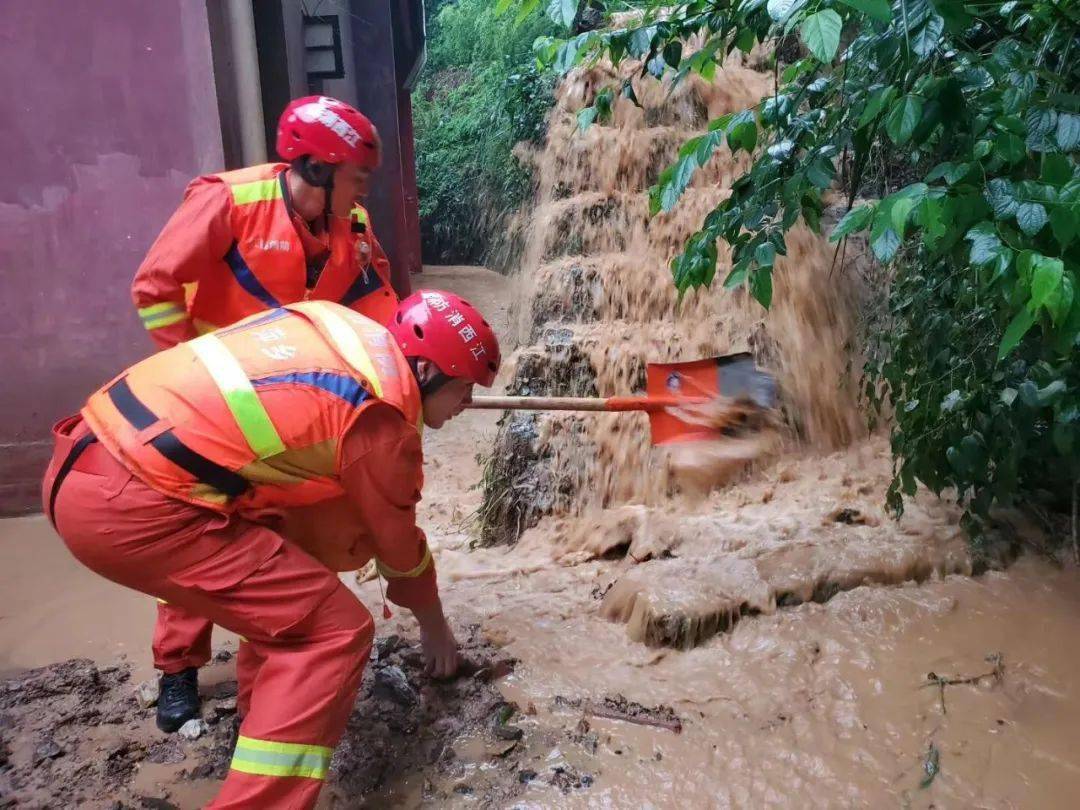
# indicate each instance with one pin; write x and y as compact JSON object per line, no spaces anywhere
{"x":235,"y":247}
{"x":179,"y":497}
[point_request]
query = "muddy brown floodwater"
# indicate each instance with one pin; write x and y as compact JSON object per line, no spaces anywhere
{"x":778,"y":641}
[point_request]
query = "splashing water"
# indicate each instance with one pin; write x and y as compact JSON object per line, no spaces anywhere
{"x":597,"y":300}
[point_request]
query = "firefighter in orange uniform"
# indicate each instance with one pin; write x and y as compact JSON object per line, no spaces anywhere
{"x":158,"y":484}
{"x":246,"y":240}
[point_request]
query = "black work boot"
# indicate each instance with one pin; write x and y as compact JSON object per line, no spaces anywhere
{"x":179,"y":699}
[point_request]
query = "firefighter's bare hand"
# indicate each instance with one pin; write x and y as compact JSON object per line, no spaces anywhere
{"x":440,"y":646}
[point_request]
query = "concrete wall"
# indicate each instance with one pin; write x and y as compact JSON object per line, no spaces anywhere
{"x":109,"y":109}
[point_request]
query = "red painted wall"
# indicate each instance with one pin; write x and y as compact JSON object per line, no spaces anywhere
{"x":108,"y":111}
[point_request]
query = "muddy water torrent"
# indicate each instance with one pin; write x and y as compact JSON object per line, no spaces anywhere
{"x":786,"y":618}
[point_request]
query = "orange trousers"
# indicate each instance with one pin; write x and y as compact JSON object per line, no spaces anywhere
{"x":181,"y":639}
{"x":308,"y":637}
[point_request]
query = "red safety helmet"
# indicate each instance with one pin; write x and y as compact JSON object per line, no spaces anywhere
{"x":447,"y":330}
{"x":327,"y":130}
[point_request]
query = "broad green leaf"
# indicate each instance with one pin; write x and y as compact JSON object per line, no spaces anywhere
{"x":821,"y":172}
{"x":930,"y":218}
{"x":673,"y":53}
{"x":854,"y":220}
{"x":1046,"y":280}
{"x":903,"y":117}
{"x":926,"y":39}
{"x":721,"y":123}
{"x":821,"y":34}
{"x":782,"y":10}
{"x":884,"y":243}
{"x":1002,"y":198}
{"x":957,"y":19}
{"x":585,"y":118}
{"x":761,"y":286}
{"x":527,"y":7}
{"x":736,"y":277}
{"x":1060,"y":302}
{"x":707,"y":146}
{"x":1009,"y":147}
{"x":640,"y":42}
{"x":1031,"y":217}
{"x":1056,"y":169}
{"x":765,"y":254}
{"x":985,"y":244}
{"x":1063,"y":223}
{"x":562,"y":11}
{"x":899,"y":212}
{"x":982,"y":149}
{"x":690,"y":146}
{"x":1041,"y":125}
{"x":880,"y":99}
{"x":745,"y":40}
{"x":781,"y":151}
{"x":567,"y":56}
{"x":1068,"y":131}
{"x":952,"y":173}
{"x":742,"y":132}
{"x":1016,"y":330}
{"x":878,"y":9}
{"x":501,"y":6}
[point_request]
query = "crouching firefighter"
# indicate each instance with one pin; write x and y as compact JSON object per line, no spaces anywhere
{"x":163,"y":482}
{"x":246,"y":240}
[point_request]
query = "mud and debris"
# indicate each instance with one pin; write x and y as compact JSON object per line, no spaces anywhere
{"x":617,"y":707}
{"x":55,"y":755}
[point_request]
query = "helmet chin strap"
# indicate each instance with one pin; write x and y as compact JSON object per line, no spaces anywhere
{"x":433,"y":383}
{"x":320,"y":175}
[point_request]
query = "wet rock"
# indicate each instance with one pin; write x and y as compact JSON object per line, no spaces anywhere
{"x":147,"y":693}
{"x":166,"y":752}
{"x":203,"y":770}
{"x":526,"y":775}
{"x":567,"y":778}
{"x":47,"y":749}
{"x":502,"y":748}
{"x":851,"y":517}
{"x":154,"y":803}
{"x":505,"y":732}
{"x":392,"y":683}
{"x":224,"y":707}
{"x":193,"y":729}
{"x":387,"y":645}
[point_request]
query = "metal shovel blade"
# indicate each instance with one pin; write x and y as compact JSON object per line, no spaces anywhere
{"x":731,"y":377}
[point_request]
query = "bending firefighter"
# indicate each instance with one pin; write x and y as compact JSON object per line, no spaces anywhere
{"x":246,"y":240}
{"x":167,"y":480}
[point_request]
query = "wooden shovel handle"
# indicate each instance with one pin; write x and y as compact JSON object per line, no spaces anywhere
{"x":648,"y":404}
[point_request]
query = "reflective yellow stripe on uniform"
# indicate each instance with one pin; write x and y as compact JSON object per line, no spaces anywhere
{"x":390,"y":573}
{"x":267,"y":758}
{"x":359,"y":214}
{"x":247,"y":409}
{"x":345,"y":340}
{"x":257,"y":191}
{"x":166,"y":313}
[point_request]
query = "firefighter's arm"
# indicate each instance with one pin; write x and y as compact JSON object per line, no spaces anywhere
{"x":382,"y":474}
{"x":196,"y":237}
